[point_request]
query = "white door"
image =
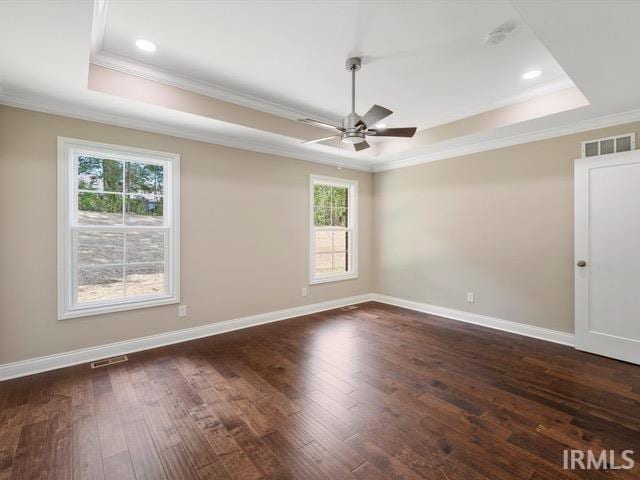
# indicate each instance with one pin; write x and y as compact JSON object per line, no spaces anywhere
{"x":607,"y":255}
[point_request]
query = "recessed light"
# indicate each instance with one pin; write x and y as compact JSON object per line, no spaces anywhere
{"x":381,"y":125}
{"x":146,"y":45}
{"x":531,"y":74}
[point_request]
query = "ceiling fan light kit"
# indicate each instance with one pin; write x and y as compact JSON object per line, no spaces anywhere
{"x":355,"y":128}
{"x":352,"y":137}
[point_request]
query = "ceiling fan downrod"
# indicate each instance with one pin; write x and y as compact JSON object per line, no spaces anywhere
{"x":353,"y":64}
{"x":355,"y":128}
{"x":353,"y":133}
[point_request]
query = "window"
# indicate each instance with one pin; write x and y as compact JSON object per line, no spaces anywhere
{"x":118,"y":230}
{"x":333,"y":229}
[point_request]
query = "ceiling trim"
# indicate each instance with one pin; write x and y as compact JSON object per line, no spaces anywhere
{"x":149,"y":72}
{"x":54,"y":107}
{"x":559,"y":131}
{"x":160,"y":75}
{"x":40,"y":104}
{"x":98,"y":25}
{"x":167,"y":77}
{"x":522,"y":97}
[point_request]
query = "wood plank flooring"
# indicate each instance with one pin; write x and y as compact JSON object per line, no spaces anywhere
{"x":373,"y":393}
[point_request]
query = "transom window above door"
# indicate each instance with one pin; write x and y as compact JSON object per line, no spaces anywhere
{"x":333,"y":244}
{"x":118,"y":228}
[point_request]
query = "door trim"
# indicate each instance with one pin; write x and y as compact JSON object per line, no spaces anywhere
{"x":600,"y":343}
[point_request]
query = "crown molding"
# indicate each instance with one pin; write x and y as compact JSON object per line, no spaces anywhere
{"x":546,"y":89}
{"x":104,"y":59}
{"x":156,"y":74}
{"x":149,"y":72}
{"x":55,"y":107}
{"x":98,"y":25}
{"x":127,"y":65}
{"x":60,"y":108}
{"x":482,"y":146}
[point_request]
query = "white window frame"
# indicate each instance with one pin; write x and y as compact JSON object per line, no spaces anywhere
{"x":68,"y":151}
{"x":352,"y":222}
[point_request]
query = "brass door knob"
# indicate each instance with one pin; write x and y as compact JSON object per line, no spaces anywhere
{"x":581,"y":263}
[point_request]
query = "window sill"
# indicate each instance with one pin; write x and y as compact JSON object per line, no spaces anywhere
{"x":333,"y":278}
{"x":116,"y":307}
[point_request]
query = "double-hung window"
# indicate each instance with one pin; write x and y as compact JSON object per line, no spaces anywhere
{"x":333,"y":235}
{"x":118,"y":230}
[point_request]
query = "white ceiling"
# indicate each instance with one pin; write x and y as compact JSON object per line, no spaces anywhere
{"x":45,"y":48}
{"x":426,"y":61}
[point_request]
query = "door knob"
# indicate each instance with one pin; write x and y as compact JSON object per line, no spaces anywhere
{"x":581,"y":263}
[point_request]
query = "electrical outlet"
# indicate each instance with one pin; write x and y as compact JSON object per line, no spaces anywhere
{"x":182,"y":311}
{"x":304,"y":291}
{"x":471,"y":297}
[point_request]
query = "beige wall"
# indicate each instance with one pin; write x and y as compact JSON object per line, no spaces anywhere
{"x":497,"y":223}
{"x":244,"y":236}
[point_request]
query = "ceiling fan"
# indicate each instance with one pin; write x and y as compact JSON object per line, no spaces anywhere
{"x":355,"y":128}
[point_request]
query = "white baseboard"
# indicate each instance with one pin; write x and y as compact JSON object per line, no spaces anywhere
{"x":549,"y":335}
{"x":84,"y":355}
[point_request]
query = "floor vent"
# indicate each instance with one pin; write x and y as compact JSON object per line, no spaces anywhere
{"x":349,"y":307}
{"x":109,"y":361}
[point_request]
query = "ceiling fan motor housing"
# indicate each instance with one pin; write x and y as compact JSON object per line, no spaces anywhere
{"x":352,"y":134}
{"x":350,"y":121}
{"x":355,"y":128}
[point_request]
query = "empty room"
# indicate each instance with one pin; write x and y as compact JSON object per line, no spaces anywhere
{"x":319,"y":239}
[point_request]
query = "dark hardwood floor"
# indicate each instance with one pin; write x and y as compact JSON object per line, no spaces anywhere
{"x":373,"y":393}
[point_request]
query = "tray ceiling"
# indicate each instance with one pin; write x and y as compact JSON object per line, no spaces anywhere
{"x":427,"y":61}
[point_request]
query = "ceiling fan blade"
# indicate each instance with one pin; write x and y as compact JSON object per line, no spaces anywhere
{"x":361,"y":146}
{"x":374,"y":115}
{"x":317,"y":140}
{"x":392,"y":132}
{"x":318,"y":123}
